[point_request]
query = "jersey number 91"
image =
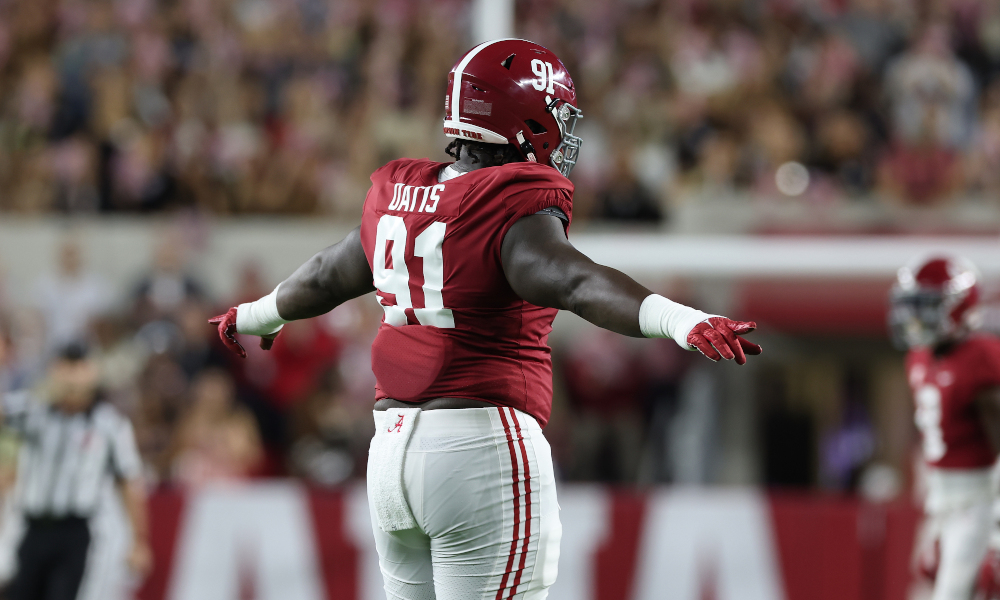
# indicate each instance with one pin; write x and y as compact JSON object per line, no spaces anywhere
{"x":391,"y":274}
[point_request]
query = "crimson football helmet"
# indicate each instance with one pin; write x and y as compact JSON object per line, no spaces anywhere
{"x":934,"y":301}
{"x":515,"y":92}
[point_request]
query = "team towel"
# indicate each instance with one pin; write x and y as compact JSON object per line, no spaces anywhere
{"x":386,"y":456}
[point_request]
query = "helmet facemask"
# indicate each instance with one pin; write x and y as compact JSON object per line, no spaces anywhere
{"x":919,"y":318}
{"x":564,"y":156}
{"x":925,"y":317}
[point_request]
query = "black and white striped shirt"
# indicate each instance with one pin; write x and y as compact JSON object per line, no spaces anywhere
{"x":67,"y":459}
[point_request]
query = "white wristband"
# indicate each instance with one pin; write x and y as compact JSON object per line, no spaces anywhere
{"x":261,"y":316}
{"x":660,"y":317}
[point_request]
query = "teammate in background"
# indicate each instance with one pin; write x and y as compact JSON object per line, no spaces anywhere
{"x":954,"y":373}
{"x":470,"y":261}
{"x":73,"y":447}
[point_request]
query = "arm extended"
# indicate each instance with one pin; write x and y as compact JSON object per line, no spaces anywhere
{"x":544,"y":269}
{"x":331,"y":277}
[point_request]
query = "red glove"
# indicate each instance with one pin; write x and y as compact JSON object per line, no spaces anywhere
{"x":718,"y":338}
{"x":227,"y":331}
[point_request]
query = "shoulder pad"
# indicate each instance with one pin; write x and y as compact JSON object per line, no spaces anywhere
{"x":522,"y":176}
{"x":399,"y":168}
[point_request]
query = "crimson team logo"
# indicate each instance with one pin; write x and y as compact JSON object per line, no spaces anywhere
{"x":398,"y":427}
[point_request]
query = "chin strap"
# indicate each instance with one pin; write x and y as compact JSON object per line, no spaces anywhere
{"x":526,"y":148}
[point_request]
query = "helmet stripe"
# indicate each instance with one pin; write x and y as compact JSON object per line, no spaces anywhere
{"x":457,"y":85}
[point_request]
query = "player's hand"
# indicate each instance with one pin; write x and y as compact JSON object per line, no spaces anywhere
{"x":719,"y":338}
{"x":227,"y":332}
{"x":140,"y":559}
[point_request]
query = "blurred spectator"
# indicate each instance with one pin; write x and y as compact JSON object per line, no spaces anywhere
{"x":6,"y":358}
{"x":354,"y":324}
{"x":776,"y":138}
{"x":168,"y":285}
{"x":330,"y":437}
{"x":301,"y":354}
{"x":983,"y":162}
{"x":162,"y":389}
{"x":933,"y":115}
{"x":843,"y":154}
{"x":216,"y":439}
{"x":874,"y":35}
{"x":715,"y":162}
{"x":27,"y":352}
{"x":625,"y":199}
{"x":120,"y":356}
{"x":932,"y":92}
{"x":604,"y":383}
{"x":921,"y":173}
{"x":823,"y":69}
{"x":198,"y":347}
{"x":9,"y":382}
{"x":250,"y":284}
{"x":70,"y":298}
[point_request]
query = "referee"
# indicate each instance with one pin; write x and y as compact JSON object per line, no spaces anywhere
{"x":73,"y":447}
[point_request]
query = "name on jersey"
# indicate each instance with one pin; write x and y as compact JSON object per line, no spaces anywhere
{"x":415,"y":198}
{"x":464,"y":132}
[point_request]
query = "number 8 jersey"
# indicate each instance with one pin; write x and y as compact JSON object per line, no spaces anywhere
{"x":453,"y":327}
{"x":945,"y":389}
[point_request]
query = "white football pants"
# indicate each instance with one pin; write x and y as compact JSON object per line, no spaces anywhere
{"x":959,"y":508}
{"x":480,"y":484}
{"x":963,"y":535}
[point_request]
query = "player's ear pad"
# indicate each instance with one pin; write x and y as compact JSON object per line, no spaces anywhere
{"x":407,"y":360}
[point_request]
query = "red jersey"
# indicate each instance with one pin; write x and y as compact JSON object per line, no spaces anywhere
{"x":453,"y":327}
{"x":945,"y":389}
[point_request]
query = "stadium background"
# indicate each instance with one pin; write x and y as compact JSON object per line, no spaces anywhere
{"x":774,"y":160}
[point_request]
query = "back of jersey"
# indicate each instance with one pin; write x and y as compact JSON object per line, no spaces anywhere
{"x":453,"y":327}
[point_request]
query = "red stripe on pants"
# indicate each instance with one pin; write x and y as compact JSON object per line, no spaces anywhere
{"x":527,"y":503}
{"x":517,"y":505}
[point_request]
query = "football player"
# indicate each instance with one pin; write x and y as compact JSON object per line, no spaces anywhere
{"x":954,"y":373}
{"x":470,"y":262}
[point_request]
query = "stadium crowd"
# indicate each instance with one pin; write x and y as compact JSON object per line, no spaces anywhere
{"x":286,"y":106}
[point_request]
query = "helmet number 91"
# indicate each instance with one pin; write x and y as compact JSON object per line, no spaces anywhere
{"x":546,"y":76}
